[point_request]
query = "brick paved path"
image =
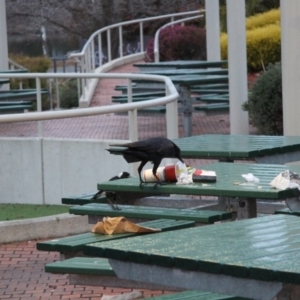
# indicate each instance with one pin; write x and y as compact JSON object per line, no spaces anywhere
{"x":22,"y":277}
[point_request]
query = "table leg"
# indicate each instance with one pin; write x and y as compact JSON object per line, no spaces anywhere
{"x":185,"y":96}
{"x":246,"y":208}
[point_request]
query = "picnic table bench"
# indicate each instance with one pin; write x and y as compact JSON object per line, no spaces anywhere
{"x":230,"y":184}
{"x":179,"y":64}
{"x":15,"y":108}
{"x":172,"y":72}
{"x":83,"y":199}
{"x":71,"y":246}
{"x":97,"y":211}
{"x":24,"y":94}
{"x":254,"y":258}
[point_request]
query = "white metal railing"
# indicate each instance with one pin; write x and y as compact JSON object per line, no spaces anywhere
{"x":170,"y":100}
{"x":156,"y":37}
{"x":88,"y":65}
{"x":86,"y":57}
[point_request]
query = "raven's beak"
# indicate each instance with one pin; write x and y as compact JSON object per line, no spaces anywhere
{"x":180,"y":159}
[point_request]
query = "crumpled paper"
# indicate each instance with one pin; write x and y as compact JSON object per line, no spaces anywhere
{"x":250,"y":178}
{"x":286,"y":179}
{"x":182,"y":174}
{"x":120,"y":225}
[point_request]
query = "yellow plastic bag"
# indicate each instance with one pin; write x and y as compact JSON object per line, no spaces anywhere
{"x":120,"y":225}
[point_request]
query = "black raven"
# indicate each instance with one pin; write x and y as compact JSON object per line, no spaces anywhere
{"x":112,"y":196}
{"x":153,"y":149}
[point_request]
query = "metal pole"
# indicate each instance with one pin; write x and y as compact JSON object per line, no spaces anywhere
{"x":237,"y":58}
{"x":3,"y":43}
{"x":39,"y":105}
{"x":132,"y":115}
{"x":290,"y":44}
{"x":212,"y":30}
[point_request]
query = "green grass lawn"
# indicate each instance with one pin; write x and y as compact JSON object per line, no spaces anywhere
{"x":26,"y":211}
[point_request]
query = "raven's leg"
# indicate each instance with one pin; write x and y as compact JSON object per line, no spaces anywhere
{"x":111,"y":198}
{"x":154,"y":171}
{"x":140,"y":168}
{"x":98,"y":194}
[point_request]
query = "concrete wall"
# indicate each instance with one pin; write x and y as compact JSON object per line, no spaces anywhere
{"x":38,"y":171}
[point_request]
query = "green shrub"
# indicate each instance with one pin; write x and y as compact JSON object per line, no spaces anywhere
{"x":68,"y":94}
{"x":39,"y":64}
{"x":264,"y":19}
{"x":179,"y":43}
{"x":265,"y":102}
{"x":263,"y":46}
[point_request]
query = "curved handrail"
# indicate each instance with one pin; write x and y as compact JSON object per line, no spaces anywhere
{"x":170,"y":100}
{"x":120,"y":25}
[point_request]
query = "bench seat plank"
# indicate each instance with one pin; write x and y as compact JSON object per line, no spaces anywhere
{"x":76,"y":242}
{"x":83,"y":199}
{"x":81,"y":265}
{"x":197,"y":295}
{"x":129,"y":211}
{"x":287,"y":211}
{"x":187,"y":64}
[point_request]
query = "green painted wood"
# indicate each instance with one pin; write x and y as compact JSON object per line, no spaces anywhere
{"x":265,"y":248}
{"x":196,"y":295}
{"x":202,"y":91}
{"x":7,"y":103}
{"x":137,"y":95}
{"x":4,"y":81}
{"x":81,"y":265}
{"x":15,"y":107}
{"x":171,"y":72}
{"x":212,"y":107}
{"x":230,"y":182}
{"x":20,"y":91}
{"x":287,"y":211}
{"x":214,"y":86}
{"x":146,"y":212}
{"x":135,"y":99}
{"x":17,"y":71}
{"x":189,"y":80}
{"x":77,"y":242}
{"x":156,"y":109}
{"x":21,"y":94}
{"x":83,"y":199}
{"x":182,"y":64}
{"x":236,"y":146}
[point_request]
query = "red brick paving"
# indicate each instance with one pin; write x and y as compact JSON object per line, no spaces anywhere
{"x":22,"y":277}
{"x":22,"y":273}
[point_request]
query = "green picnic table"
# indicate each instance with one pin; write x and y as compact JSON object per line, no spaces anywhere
{"x":229,"y":183}
{"x":185,"y":83}
{"x":259,"y":148}
{"x":174,"y":72}
{"x":179,"y":64}
{"x":253,"y":258}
